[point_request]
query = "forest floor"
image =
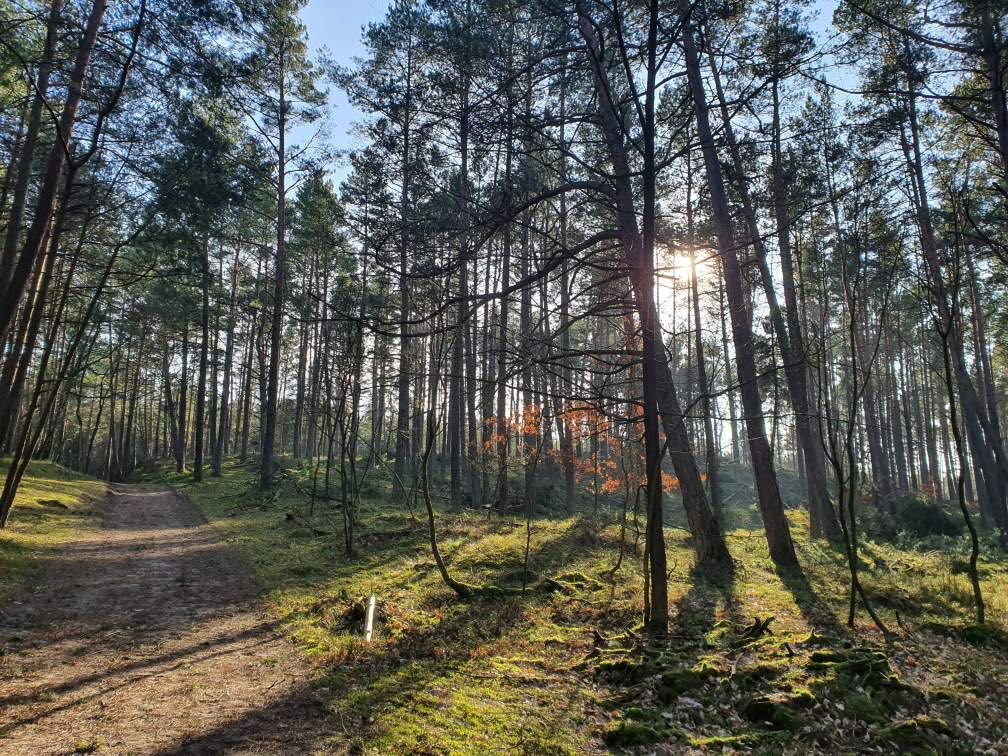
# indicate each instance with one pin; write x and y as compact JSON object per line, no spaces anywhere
{"x":53,"y":505}
{"x":149,"y":636}
{"x":144,"y":634}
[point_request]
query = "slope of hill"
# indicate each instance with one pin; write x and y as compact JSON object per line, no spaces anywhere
{"x":552,"y":660}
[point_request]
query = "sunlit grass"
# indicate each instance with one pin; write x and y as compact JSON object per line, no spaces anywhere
{"x":52,"y":504}
{"x":512,"y":672}
{"x":506,"y":673}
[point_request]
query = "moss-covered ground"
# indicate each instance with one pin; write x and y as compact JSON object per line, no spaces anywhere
{"x":563,"y":667}
{"x":52,"y":505}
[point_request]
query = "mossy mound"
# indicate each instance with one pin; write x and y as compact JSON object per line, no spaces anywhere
{"x":917,"y":733}
{"x":641,"y":727}
{"x":869,"y":667}
{"x":865,"y":681}
{"x":760,"y":672}
{"x":572,"y":582}
{"x":734,"y":743}
{"x":675,"y":683}
{"x":863,"y":707}
{"x":782,"y":711}
{"x":628,"y":734}
{"x":622,"y":670}
{"x":719,"y":636}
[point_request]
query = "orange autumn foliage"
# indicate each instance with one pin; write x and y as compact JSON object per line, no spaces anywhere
{"x":621,"y":466}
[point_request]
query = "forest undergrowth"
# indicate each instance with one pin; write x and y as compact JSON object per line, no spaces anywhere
{"x":757,"y":660}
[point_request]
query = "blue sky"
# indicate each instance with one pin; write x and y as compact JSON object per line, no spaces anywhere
{"x":336,"y":25}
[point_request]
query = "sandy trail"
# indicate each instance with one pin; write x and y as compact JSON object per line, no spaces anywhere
{"x":145,"y":637}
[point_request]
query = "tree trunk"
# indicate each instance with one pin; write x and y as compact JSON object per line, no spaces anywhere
{"x":199,"y":427}
{"x":660,"y":400}
{"x":269,"y":413}
{"x":774,"y":521}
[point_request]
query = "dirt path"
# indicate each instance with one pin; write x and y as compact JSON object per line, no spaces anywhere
{"x":145,"y":637}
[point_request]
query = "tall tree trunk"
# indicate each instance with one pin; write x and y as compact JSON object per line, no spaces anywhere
{"x":774,"y":521}
{"x":501,"y":421}
{"x":183,"y":428}
{"x":790,"y":338}
{"x":403,"y":383}
{"x":15,"y":218}
{"x":988,"y":449}
{"x":199,"y":427}
{"x":660,"y":400}
{"x":48,"y":190}
{"x":269,"y":413}
{"x":225,"y":402}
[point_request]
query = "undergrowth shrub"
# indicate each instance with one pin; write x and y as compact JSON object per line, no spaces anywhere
{"x":916,"y":517}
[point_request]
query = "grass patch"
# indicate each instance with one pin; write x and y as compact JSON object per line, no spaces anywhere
{"x":52,"y":505}
{"x":566,"y":670}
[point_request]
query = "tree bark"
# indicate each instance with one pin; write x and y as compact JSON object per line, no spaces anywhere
{"x":774,"y":521}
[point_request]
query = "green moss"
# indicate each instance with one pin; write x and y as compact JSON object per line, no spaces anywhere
{"x":761,"y":672}
{"x":676,"y":683}
{"x":802,"y":698}
{"x":579,"y":580}
{"x":52,"y":505}
{"x":822,"y":657}
{"x":641,"y":727}
{"x":919,"y":732}
{"x":864,"y":666}
{"x":864,"y":707}
{"x":622,"y":670}
{"x":943,"y":693}
{"x":761,"y":740}
{"x":777,"y":710}
{"x":95,"y":745}
{"x":720,"y":742}
{"x":720,"y":635}
{"x":507,"y":672}
{"x":627,"y":734}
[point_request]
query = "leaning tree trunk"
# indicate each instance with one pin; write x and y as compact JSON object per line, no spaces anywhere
{"x":707,"y":540}
{"x":774,"y":521}
{"x":10,"y":294}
